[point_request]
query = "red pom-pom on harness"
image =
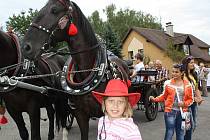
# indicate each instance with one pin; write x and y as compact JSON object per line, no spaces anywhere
{"x":72,"y":29}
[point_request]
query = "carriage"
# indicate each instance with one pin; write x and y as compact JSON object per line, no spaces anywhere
{"x":79,"y":75}
{"x":147,"y":88}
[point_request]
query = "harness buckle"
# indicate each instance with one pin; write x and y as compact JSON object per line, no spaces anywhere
{"x":101,"y":69}
{"x":26,"y":64}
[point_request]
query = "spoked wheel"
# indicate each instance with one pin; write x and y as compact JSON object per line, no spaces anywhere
{"x":151,"y":107}
{"x":69,"y":121}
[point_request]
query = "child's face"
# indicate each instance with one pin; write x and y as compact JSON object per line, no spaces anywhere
{"x":115,"y":107}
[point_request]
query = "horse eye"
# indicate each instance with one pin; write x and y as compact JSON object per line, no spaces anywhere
{"x":54,"y":10}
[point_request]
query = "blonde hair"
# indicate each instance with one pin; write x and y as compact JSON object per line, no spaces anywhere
{"x":128,"y":112}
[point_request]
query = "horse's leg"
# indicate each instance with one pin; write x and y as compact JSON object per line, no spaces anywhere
{"x":18,"y":118}
{"x":50,"y":114}
{"x":83,"y":122}
{"x":65,"y":131}
{"x":34,"y":114}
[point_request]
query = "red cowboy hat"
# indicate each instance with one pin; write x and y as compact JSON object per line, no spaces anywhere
{"x":116,"y":88}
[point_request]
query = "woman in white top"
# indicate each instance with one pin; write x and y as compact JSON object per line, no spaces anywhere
{"x":139,"y":66}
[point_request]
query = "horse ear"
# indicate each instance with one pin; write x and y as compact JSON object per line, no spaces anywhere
{"x":72,"y":29}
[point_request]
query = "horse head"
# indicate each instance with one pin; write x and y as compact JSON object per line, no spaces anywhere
{"x":54,"y":23}
{"x":45,"y":30}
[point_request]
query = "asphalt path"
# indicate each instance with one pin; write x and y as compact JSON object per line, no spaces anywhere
{"x":153,"y":130}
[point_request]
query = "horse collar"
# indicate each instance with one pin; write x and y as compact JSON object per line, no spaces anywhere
{"x":95,"y":79}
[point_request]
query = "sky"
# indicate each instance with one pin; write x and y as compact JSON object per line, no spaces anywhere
{"x":187,"y":16}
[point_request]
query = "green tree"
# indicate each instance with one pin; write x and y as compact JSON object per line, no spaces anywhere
{"x":114,"y":28}
{"x":174,"y":52}
{"x":97,"y":23}
{"x":21,"y":22}
{"x":121,"y":21}
{"x":112,"y":40}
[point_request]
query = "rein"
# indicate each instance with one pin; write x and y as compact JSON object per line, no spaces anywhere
{"x":11,"y":67}
{"x":36,"y":76}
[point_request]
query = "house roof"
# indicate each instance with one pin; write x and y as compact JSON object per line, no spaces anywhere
{"x":160,"y":39}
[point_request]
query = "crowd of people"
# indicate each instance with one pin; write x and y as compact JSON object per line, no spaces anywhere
{"x":180,"y":94}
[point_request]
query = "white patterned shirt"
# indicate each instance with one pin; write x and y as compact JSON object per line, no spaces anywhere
{"x":118,"y":129}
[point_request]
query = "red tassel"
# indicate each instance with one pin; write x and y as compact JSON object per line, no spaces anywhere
{"x":72,"y":29}
{"x":3,"y":120}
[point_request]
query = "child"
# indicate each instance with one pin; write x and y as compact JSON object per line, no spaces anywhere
{"x":116,"y":103}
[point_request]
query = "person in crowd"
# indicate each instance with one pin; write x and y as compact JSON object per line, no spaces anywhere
{"x":162,"y":76}
{"x":151,"y":65}
{"x":117,"y":103}
{"x":146,"y":66}
{"x":139,"y":66}
{"x":197,"y":69}
{"x":203,"y":76}
{"x":163,"y":73}
{"x":174,"y":88}
{"x":190,"y":75}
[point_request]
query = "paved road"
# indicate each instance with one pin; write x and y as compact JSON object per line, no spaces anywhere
{"x":150,"y":130}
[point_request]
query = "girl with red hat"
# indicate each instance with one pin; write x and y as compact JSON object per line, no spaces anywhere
{"x":117,"y":105}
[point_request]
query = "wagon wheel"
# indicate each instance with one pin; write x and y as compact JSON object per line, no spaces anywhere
{"x":151,"y":107}
{"x":69,"y":121}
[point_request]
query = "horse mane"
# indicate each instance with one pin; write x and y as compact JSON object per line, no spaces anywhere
{"x":85,"y":26}
{"x":4,"y":38}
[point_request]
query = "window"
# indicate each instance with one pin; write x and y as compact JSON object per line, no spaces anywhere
{"x":130,"y":55}
{"x":186,"y":49}
{"x":209,"y":51}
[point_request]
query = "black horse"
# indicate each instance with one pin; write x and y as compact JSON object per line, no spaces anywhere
{"x":18,"y":100}
{"x":55,"y":23}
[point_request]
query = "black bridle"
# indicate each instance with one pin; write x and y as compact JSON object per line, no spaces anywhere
{"x":46,"y":47}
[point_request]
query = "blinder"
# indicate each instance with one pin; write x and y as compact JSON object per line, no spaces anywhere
{"x":63,"y":22}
